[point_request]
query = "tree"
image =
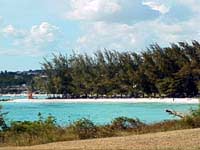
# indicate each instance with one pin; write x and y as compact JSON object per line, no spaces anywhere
{"x":58,"y":75}
{"x":172,"y":71}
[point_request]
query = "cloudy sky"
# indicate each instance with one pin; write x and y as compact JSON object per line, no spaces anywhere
{"x":33,"y":29}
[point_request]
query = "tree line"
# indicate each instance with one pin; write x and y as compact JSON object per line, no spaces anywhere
{"x":172,"y":71}
{"x":16,"y":82}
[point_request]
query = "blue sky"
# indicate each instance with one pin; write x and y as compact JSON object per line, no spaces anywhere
{"x":33,"y":29}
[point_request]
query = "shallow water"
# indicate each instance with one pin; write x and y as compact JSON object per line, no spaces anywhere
{"x":6,"y":97}
{"x":100,"y":113}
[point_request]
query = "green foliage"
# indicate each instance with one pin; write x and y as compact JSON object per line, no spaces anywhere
{"x":106,"y":131}
{"x":3,"y":125}
{"x":8,"y":79}
{"x":18,"y":82}
{"x":84,"y":128}
{"x":124,"y":123}
{"x":171,"y":87}
{"x":193,"y":120}
{"x":28,"y":132}
{"x":171,"y":71}
{"x":33,"y":128}
{"x":196,"y":113}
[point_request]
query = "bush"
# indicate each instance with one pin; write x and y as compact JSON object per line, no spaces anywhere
{"x":29,"y":133}
{"x":196,"y":113}
{"x":3,"y":125}
{"x":35,"y":127}
{"x":124,"y":123}
{"x":105,"y":131}
{"x":193,"y":120}
{"x":84,"y":128}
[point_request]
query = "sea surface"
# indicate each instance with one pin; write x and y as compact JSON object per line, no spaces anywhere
{"x":99,"y":113}
{"x":24,"y":96}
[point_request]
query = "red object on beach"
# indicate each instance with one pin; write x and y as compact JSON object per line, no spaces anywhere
{"x":30,"y":95}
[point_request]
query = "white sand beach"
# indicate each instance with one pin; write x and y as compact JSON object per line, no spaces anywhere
{"x":120,"y":100}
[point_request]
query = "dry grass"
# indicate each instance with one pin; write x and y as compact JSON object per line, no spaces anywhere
{"x":173,"y":140}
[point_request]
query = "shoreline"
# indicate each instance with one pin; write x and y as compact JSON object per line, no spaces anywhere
{"x":106,"y":100}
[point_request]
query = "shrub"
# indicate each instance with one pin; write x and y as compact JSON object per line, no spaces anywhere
{"x":196,"y":113}
{"x":29,"y":133}
{"x":3,"y":125}
{"x":35,"y":127}
{"x":193,"y":120}
{"x":84,"y":128}
{"x":105,"y":131}
{"x":123,"y":123}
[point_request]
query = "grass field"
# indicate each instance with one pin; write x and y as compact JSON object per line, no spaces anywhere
{"x":173,"y":140}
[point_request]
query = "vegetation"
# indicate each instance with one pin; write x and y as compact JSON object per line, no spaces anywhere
{"x":169,"y":72}
{"x":46,"y":130}
{"x":3,"y":125}
{"x":158,"y":72}
{"x":17,"y":82}
{"x":84,"y":128}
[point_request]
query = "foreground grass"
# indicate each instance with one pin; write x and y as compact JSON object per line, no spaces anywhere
{"x":173,"y":140}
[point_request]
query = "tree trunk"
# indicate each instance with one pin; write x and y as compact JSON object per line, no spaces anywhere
{"x":175,"y":113}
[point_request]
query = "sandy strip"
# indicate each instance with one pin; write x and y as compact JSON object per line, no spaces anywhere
{"x":128,"y":100}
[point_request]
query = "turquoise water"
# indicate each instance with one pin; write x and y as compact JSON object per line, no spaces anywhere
{"x":98,"y":113}
{"x":12,"y":97}
{"x":4,"y":97}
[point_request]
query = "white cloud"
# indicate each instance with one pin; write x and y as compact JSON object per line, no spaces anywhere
{"x":9,"y":29}
{"x":138,"y":36}
{"x":92,"y":9}
{"x":116,"y":24}
{"x":102,"y":35}
{"x":163,"y":9}
{"x":40,"y":34}
{"x":11,"y":32}
{"x":30,"y":42}
{"x":123,"y":11}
